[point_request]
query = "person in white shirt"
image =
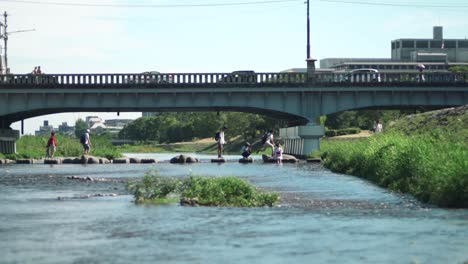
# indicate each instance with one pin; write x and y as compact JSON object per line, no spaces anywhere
{"x":271,"y":142}
{"x":378,"y":127}
{"x":278,"y":153}
{"x":221,"y":142}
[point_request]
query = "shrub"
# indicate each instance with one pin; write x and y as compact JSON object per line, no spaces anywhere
{"x":223,"y":191}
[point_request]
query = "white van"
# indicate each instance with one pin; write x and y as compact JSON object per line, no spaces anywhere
{"x":364,"y":75}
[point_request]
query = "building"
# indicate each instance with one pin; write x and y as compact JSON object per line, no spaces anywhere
{"x":44,"y":130}
{"x":98,"y":126}
{"x":437,"y":54}
{"x":65,"y":129}
{"x":115,"y":125}
{"x":436,"y":49}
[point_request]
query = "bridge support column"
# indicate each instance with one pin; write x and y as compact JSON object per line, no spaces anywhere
{"x":302,"y":140}
{"x":8,"y":139}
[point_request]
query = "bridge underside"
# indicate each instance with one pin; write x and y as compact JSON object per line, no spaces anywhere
{"x":291,"y":120}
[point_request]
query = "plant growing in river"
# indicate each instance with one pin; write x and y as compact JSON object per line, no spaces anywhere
{"x":219,"y":191}
{"x":153,"y":187}
{"x":226,"y":191}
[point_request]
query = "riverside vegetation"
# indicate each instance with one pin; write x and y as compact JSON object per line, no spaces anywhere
{"x":34,"y":147}
{"x":425,"y":155}
{"x":220,"y":191}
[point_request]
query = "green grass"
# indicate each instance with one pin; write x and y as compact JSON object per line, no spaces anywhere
{"x":34,"y":147}
{"x":221,"y":191}
{"x":431,"y":166}
{"x":425,"y":155}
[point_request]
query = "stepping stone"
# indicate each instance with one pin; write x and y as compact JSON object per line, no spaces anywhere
{"x":145,"y":161}
{"x":121,"y":161}
{"x":246,"y":160}
{"x":52,"y":161}
{"x":218,"y":160}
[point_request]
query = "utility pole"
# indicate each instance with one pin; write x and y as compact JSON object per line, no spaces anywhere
{"x":310,"y":61}
{"x":5,"y":39}
{"x":308,"y":31}
{"x":4,"y":36}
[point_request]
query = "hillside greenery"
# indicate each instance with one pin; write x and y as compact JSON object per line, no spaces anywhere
{"x":425,"y":155}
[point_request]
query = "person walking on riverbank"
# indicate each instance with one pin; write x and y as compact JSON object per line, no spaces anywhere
{"x":51,"y":145}
{"x":221,"y":141}
{"x":85,"y":140}
{"x":378,"y":127}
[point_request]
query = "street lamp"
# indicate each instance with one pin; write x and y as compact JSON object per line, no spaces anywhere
{"x":310,"y":61}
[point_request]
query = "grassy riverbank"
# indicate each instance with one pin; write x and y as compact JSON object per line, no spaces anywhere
{"x":425,"y":155}
{"x":33,"y":147}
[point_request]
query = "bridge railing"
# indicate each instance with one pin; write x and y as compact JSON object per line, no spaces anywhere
{"x":394,"y":77}
{"x":229,"y":79}
{"x":162,"y":78}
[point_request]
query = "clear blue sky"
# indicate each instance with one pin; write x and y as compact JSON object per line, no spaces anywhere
{"x":260,"y":36}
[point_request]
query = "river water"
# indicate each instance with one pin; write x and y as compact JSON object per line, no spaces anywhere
{"x":323,"y":218}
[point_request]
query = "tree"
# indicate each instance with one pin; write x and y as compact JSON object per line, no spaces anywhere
{"x":80,"y":127}
{"x":459,"y":69}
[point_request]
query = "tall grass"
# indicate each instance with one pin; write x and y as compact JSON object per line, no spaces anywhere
{"x":35,"y":147}
{"x":431,"y":166}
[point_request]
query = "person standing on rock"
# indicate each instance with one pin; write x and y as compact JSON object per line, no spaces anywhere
{"x":268,"y":141}
{"x":85,"y":140}
{"x":51,"y":145}
{"x":221,"y":141}
{"x":246,"y":150}
{"x":278,"y":153}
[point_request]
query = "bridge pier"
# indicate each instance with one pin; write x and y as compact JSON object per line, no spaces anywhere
{"x":8,"y":139}
{"x":302,"y":140}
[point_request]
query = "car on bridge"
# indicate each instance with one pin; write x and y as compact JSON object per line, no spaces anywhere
{"x":239,"y":77}
{"x":364,"y":75}
{"x":150,"y":77}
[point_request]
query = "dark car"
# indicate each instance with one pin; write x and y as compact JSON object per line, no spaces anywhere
{"x":240,"y":77}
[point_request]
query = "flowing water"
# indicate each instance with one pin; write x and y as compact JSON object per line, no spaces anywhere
{"x":323,"y":218}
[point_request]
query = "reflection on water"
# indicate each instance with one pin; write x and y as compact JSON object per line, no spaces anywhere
{"x":323,"y":218}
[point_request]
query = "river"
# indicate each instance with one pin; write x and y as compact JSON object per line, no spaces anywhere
{"x":323,"y":218}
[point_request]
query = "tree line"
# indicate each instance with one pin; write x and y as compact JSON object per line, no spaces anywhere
{"x":189,"y":126}
{"x":179,"y":127}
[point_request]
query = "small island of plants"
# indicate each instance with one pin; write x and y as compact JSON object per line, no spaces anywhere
{"x":203,"y":191}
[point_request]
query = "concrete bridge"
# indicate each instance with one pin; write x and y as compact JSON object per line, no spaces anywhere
{"x":298,"y":98}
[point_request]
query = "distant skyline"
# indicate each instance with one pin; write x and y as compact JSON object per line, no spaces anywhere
{"x":221,"y":36}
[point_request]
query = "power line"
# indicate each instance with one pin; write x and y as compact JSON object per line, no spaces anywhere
{"x":395,"y":4}
{"x":152,"y":5}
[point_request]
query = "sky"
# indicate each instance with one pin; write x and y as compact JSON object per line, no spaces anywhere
{"x":176,"y":36}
